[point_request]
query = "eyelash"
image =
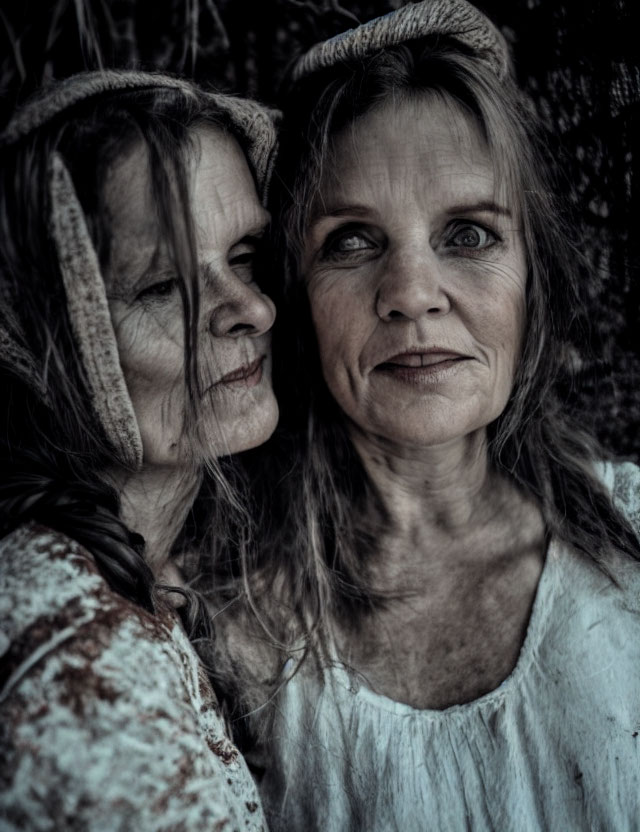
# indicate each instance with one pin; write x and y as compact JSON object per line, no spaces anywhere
{"x":163,"y":289}
{"x":244,"y":261}
{"x":159,"y":291}
{"x":330,"y":251}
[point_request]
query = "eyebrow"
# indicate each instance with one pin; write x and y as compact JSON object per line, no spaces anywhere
{"x":254,"y":234}
{"x":259,"y":225}
{"x":341,"y":211}
{"x":484,"y":206}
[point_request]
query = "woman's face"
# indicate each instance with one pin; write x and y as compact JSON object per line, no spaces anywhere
{"x":416,"y":273}
{"x":237,"y":410}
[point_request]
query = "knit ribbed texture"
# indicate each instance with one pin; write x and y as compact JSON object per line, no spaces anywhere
{"x":452,"y":18}
{"x":252,"y":120}
{"x":90,"y":318}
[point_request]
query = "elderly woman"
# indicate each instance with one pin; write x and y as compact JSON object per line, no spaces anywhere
{"x":135,"y":351}
{"x":455,"y":564}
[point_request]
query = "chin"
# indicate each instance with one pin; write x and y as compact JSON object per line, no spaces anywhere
{"x":247,"y":432}
{"x":216,"y":440}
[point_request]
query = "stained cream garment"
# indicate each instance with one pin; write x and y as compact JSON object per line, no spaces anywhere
{"x":107,"y":718}
{"x":555,"y":747}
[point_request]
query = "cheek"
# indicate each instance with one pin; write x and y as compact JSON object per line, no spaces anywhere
{"x":504,"y":325}
{"x":511,"y":319}
{"x":502,"y":330}
{"x":152,"y":361}
{"x":340,"y":328}
{"x":497,"y":307}
{"x":148,"y":348}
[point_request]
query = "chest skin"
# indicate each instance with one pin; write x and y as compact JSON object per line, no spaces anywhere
{"x":456,"y":630}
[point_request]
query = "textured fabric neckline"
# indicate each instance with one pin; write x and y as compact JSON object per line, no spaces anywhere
{"x":339,"y":673}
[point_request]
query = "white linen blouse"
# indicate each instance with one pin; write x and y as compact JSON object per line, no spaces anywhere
{"x":555,"y":747}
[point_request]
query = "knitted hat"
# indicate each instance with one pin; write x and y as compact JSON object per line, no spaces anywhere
{"x":451,"y":18}
{"x":87,"y":303}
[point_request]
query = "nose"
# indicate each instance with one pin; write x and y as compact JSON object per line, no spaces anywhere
{"x":412,"y":286}
{"x":239,"y":309}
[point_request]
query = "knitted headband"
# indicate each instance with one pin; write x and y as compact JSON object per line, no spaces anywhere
{"x":452,"y":18}
{"x":87,"y":303}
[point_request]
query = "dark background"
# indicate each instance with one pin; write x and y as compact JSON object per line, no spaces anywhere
{"x":578,"y":60}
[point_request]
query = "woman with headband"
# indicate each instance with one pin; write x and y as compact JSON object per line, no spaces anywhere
{"x":457,"y":634}
{"x":135,"y":351}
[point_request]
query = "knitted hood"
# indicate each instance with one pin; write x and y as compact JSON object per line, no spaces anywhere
{"x":87,"y":303}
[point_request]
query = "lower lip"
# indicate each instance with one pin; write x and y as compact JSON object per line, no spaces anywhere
{"x":253,"y":377}
{"x":426,"y":375}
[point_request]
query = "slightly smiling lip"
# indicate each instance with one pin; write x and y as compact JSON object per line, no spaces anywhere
{"x":421,"y":365}
{"x":246,"y":376}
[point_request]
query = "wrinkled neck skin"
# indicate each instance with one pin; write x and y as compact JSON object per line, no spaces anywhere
{"x":154,"y":502}
{"x":442,"y":503}
{"x":444,"y":485}
{"x":458,"y":558}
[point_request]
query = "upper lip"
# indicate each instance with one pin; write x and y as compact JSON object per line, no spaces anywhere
{"x":239,"y":373}
{"x":420,"y":357}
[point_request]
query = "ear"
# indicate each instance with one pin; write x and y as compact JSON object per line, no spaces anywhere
{"x":90,"y":318}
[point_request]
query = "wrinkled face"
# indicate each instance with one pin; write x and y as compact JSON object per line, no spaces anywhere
{"x":237,"y":409}
{"x":416,"y":273}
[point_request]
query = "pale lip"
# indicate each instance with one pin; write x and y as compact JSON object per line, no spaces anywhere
{"x":421,"y":358}
{"x":247,"y":374}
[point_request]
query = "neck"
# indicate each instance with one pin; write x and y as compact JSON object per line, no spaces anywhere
{"x":154,"y":502}
{"x":446,"y":487}
{"x":442,"y":509}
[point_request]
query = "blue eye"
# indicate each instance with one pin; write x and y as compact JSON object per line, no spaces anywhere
{"x":471,"y":236}
{"x":161,"y":289}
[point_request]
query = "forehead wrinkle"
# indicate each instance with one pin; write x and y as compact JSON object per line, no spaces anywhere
{"x":220,"y":183}
{"x":132,"y":218}
{"x":450,"y":159}
{"x":370,"y":191}
{"x":229,"y":225}
{"x":225,"y":216}
{"x":128,"y":191}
